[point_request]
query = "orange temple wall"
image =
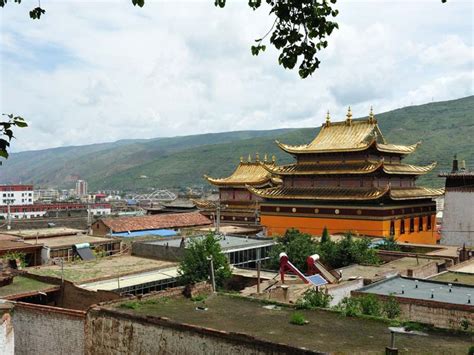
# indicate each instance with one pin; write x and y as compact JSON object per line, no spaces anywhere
{"x":277,"y":225}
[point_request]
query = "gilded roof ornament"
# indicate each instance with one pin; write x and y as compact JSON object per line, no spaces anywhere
{"x":265,"y":157}
{"x":274,"y":158}
{"x":249,"y":158}
{"x":372,"y":116}
{"x":241,"y":159}
{"x":328,"y":119}
{"x":349,"y":116}
{"x":257,"y":157}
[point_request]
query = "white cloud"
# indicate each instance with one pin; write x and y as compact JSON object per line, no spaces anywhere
{"x":93,"y":72}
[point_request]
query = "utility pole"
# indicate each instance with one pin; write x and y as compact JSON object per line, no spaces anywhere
{"x":9,"y":217}
{"x":213,"y":280}
{"x":89,"y":220}
{"x":258,"y":276}
{"x":218,"y":218}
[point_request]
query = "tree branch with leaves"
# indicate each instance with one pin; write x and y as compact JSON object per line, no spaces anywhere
{"x":6,"y":131}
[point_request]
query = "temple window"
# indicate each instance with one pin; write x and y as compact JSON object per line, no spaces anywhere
{"x":412,"y":225}
{"x":420,"y":224}
{"x":402,"y":226}
{"x":428,"y":223}
{"x":392,"y":227}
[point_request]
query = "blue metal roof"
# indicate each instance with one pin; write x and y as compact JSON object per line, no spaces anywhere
{"x":156,"y":232}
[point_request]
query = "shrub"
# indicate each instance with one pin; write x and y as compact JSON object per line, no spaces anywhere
{"x":465,"y":324}
{"x":130,"y":305}
{"x":198,"y":298}
{"x":349,"y":307}
{"x":470,"y":351}
{"x":298,"y":319}
{"x":391,"y":308}
{"x":369,"y":305}
{"x":314,"y":299}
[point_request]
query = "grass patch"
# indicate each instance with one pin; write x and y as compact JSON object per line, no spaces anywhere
{"x":130,"y":305}
{"x":198,"y":298}
{"x":298,"y":319}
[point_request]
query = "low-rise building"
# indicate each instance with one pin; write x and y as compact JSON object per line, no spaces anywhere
{"x":109,"y":226}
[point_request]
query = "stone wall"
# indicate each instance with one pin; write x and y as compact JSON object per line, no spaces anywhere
{"x":47,"y":330}
{"x":422,"y":272}
{"x":120,"y":333}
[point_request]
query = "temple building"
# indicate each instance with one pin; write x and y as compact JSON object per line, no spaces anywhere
{"x":458,"y":215}
{"x":236,"y":204}
{"x":350,"y":179}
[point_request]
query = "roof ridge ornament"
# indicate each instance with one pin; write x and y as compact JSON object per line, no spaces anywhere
{"x":349,"y":116}
{"x":257,"y":157}
{"x":328,"y":119}
{"x":241,"y":158}
{"x":249,"y":158}
{"x":372,"y":118}
{"x":265,"y":157}
{"x":274,"y":158}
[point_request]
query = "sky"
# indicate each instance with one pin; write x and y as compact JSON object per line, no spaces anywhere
{"x":100,"y":71}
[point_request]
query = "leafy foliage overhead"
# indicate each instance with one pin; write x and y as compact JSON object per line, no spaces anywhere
{"x":6,"y":132}
{"x":299,"y":31}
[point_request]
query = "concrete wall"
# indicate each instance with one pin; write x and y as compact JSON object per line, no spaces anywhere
{"x":338,"y":292}
{"x":47,"y":330}
{"x":422,"y":272}
{"x":438,"y":314}
{"x":160,"y":252}
{"x":7,"y":336}
{"x":458,"y":218}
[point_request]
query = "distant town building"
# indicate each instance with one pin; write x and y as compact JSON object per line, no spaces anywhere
{"x":46,"y":195}
{"x":458,"y":214}
{"x":350,"y":179}
{"x":81,"y":188}
{"x":16,"y":195}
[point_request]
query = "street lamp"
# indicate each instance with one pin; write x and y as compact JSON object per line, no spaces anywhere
{"x":213,"y":280}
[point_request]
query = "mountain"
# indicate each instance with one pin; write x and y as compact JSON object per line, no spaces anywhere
{"x":445,"y":128}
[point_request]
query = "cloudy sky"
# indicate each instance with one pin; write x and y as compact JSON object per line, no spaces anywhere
{"x":96,"y":71}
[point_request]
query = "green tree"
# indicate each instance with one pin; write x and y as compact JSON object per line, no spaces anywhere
{"x":314,"y":299}
{"x":391,"y":307}
{"x":325,"y":237}
{"x":298,"y":246}
{"x":370,"y":305}
{"x":195,"y":265}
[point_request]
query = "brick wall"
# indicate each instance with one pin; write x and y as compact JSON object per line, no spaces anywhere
{"x":47,"y":330}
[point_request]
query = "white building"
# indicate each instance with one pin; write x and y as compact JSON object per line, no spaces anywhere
{"x":16,"y":195}
{"x":46,"y":195}
{"x":81,"y":188}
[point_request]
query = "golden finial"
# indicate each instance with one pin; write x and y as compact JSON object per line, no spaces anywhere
{"x":371,"y":115}
{"x":274,"y":158}
{"x":241,"y":159}
{"x":463,"y":165}
{"x":265,"y":157}
{"x":349,"y":116}
{"x":249,"y":158}
{"x":328,"y":119}
{"x":257,"y":157}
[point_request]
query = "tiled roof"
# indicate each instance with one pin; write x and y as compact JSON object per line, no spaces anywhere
{"x":360,"y":167}
{"x":320,"y":193}
{"x":158,"y":221}
{"x":246,"y":173}
{"x":342,"y":193}
{"x":347,"y":137}
{"x":412,"y":193}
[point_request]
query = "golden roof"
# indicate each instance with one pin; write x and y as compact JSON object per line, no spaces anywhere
{"x":347,"y":194}
{"x":246,"y":173}
{"x":320,"y":193}
{"x":408,"y":169}
{"x":358,"y":167}
{"x":412,"y":193}
{"x":348,"y":136}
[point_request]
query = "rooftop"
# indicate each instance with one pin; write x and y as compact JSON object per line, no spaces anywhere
{"x":8,"y":243}
{"x":101,"y":268}
{"x":24,"y":286}
{"x":246,"y":173}
{"x":68,"y":241}
{"x":326,"y":331}
{"x":158,"y":221}
{"x":421,"y":290}
{"x":346,"y":136}
{"x":44,"y":232}
{"x":227,"y":243}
